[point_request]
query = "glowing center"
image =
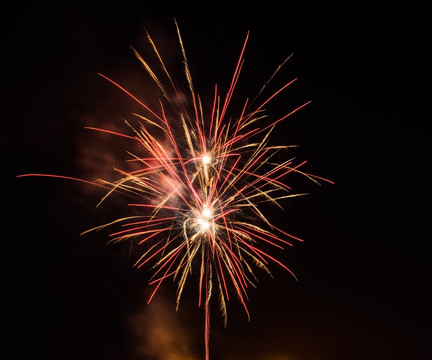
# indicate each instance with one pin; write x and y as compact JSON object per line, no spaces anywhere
{"x":203,"y":224}
{"x":206,"y":159}
{"x":204,"y":220}
{"x":206,"y":213}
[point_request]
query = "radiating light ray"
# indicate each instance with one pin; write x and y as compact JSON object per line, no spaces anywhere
{"x":197,"y":187}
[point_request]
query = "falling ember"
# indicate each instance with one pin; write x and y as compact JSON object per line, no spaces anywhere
{"x":198,"y":187}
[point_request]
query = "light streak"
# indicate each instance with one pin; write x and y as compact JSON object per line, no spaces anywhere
{"x":198,"y":187}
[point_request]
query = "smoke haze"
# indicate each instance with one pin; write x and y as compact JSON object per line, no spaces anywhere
{"x":161,"y":333}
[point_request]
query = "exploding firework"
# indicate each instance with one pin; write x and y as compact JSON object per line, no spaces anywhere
{"x":197,"y":188}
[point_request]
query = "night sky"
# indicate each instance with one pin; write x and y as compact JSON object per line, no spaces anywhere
{"x":364,"y":270}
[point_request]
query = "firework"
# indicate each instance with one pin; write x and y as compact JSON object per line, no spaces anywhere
{"x":198,"y":186}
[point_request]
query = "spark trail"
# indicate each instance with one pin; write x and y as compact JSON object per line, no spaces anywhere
{"x":198,"y":188}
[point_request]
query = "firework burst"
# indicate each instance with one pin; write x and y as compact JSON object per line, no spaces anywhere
{"x":199,"y":181}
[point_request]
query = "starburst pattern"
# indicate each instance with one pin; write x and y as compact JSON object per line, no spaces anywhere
{"x":199,"y":185}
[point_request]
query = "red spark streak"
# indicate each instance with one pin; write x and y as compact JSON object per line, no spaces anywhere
{"x":156,"y":206}
{"x":162,"y":248}
{"x":111,"y":132}
{"x":132,"y":96}
{"x":234,"y":79}
{"x":254,"y":235}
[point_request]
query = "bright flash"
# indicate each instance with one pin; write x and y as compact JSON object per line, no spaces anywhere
{"x":206,"y":213}
{"x":206,"y":159}
{"x":204,"y":220}
{"x":203,"y":224}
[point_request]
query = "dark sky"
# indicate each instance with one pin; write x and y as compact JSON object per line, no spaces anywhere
{"x":364,"y":269}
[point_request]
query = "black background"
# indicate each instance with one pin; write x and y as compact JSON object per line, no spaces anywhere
{"x":364,"y":269}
